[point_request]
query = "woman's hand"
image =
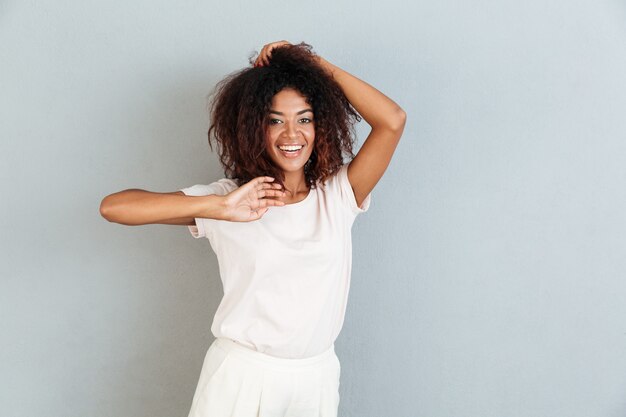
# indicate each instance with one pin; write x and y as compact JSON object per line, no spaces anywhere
{"x":250,"y":201}
{"x":266,"y":53}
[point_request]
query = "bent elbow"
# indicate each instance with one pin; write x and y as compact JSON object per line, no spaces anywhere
{"x":105,"y":209}
{"x":399,"y":120}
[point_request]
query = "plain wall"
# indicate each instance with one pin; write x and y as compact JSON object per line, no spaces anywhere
{"x":488,"y":275}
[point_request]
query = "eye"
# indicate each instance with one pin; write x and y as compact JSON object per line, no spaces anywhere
{"x":275,"y":121}
{"x":305,"y":120}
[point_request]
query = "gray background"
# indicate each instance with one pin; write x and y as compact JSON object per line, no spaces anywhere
{"x":488,"y":274}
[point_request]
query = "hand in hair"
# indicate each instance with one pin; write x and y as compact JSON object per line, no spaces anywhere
{"x":266,"y":53}
{"x":252,"y":200}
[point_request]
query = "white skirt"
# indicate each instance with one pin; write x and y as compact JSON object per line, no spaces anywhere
{"x":236,"y":381}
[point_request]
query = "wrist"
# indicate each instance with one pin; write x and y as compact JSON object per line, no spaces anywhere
{"x":327,"y":66}
{"x":214,"y":207}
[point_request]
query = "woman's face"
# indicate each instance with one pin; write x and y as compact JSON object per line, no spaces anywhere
{"x":291,"y":131}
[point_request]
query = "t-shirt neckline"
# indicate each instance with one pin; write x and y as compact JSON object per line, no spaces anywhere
{"x":301,"y":202}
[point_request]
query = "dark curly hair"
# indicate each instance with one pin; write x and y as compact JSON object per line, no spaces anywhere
{"x":241,"y":104}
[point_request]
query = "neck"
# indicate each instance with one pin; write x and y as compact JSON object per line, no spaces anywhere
{"x":295,"y":183}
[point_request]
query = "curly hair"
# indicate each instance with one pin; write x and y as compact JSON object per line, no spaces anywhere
{"x":241,"y":104}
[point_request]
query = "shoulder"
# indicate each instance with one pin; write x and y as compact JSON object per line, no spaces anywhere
{"x":334,"y":179}
{"x":339,"y":187}
{"x":219,"y":187}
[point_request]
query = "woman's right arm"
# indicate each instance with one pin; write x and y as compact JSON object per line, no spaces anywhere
{"x":136,"y":207}
{"x":246,"y":203}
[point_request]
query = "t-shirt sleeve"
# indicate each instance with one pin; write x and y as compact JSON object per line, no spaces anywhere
{"x":221,"y":187}
{"x":346,"y":194}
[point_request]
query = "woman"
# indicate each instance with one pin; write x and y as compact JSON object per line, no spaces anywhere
{"x":280,"y":225}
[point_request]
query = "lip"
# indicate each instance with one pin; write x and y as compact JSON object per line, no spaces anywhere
{"x":291,"y":155}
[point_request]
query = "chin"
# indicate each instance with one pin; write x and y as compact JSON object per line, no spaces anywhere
{"x":290,"y":166}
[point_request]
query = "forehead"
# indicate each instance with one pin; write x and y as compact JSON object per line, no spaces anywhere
{"x":289,"y":99}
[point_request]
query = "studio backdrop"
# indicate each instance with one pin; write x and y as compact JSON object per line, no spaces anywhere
{"x":489,"y":274}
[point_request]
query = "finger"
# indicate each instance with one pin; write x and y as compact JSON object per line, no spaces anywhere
{"x":274,"y":193}
{"x":260,"y":58}
{"x":264,"y":183}
{"x":271,"y":47}
{"x":268,"y":53}
{"x":264,"y":58}
{"x":269,"y":186}
{"x":271,"y":193}
{"x":261,"y":180}
{"x":270,"y":202}
{"x":275,"y":45}
{"x":257,"y":214}
{"x":261,"y":212}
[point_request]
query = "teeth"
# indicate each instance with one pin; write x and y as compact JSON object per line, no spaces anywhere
{"x":291,"y":148}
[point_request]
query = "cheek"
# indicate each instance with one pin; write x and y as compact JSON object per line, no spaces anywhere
{"x":310,"y":133}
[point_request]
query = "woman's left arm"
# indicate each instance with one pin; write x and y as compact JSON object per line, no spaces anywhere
{"x":387,"y":121}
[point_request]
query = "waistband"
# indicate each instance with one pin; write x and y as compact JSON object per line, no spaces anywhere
{"x":231,"y":346}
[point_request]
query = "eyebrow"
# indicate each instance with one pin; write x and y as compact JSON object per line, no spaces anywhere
{"x":282,"y":114}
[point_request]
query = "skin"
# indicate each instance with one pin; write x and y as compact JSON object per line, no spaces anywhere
{"x":291,"y":122}
{"x":384,"y":116}
{"x":250,"y":201}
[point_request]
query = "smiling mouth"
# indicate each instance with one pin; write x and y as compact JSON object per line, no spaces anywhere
{"x":290,"y":151}
{"x":290,"y":148}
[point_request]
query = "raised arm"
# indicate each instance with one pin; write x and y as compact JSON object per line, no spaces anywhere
{"x":384,"y":116}
{"x":387,"y":121}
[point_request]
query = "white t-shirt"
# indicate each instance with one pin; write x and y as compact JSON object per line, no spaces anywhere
{"x":286,"y":276}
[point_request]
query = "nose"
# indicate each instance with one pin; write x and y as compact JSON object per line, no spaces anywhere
{"x":290,"y":129}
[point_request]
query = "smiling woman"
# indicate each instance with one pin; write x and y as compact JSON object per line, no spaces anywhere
{"x":280,"y":224}
{"x":291,"y":100}
{"x":290,"y":138}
